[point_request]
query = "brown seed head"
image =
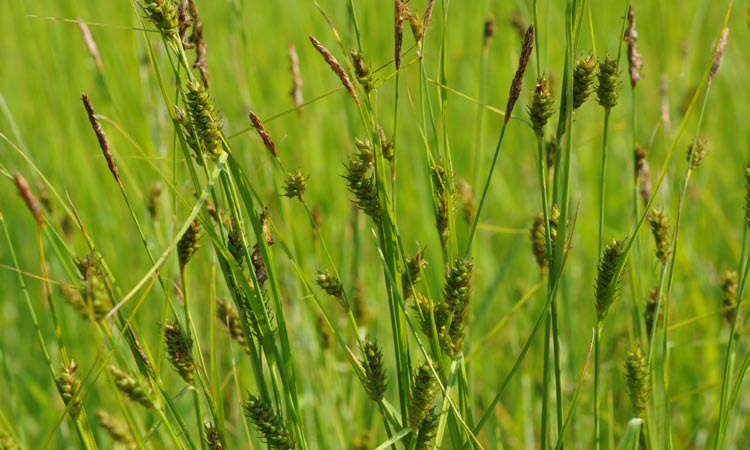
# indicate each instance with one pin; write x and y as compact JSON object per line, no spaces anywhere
{"x":336,"y":67}
{"x":515,"y":87}
{"x":489,"y":30}
{"x":264,"y":134}
{"x":400,"y":16}
{"x":88,"y":39}
{"x":296,"y":91}
{"x":634,"y":57}
{"x":29,"y":198}
{"x":720,"y":48}
{"x":103,"y":145}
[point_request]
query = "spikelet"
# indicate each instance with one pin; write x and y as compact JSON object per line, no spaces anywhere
{"x":424,"y":309}
{"x":296,"y":91}
{"x":413,"y":273}
{"x":229,"y":317}
{"x":634,"y":57}
{"x":387,"y":146}
{"x":269,"y":423}
{"x":516,"y":85}
{"x":422,"y":395}
{"x":541,"y":107}
{"x":375,"y":377}
{"x":133,"y":389}
{"x":539,"y":237}
{"x":583,"y":80}
{"x":468,"y":203}
{"x":295,"y":185}
{"x":88,"y":39}
{"x":336,"y":67}
{"x":103,"y":144}
{"x":729,"y":280}
{"x":456,"y":292}
{"x":360,"y":180}
{"x":362,"y":71}
{"x":608,"y":89}
{"x":720,"y":49}
{"x":643,"y":174}
{"x":660,"y":229}
{"x":442,"y":190}
{"x":164,"y":15}
{"x":332,"y":285}
{"x":204,"y":119}
{"x":213,"y":440}
{"x":179,"y":351}
{"x":116,"y":430}
{"x":68,"y":385}
{"x":608,"y":278}
{"x":428,"y":431}
{"x":427,"y":14}
{"x":637,"y":378}
{"x":398,"y":32}
{"x":28,"y":197}
{"x":189,"y":243}
{"x":650,"y":310}
{"x":93,"y":293}
{"x":417,"y":30}
{"x":696,"y":152}
{"x":263,"y":133}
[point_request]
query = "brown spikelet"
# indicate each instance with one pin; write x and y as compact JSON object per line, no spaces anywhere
{"x":213,"y":440}
{"x":88,"y":39}
{"x":196,"y":38}
{"x":515,"y":87}
{"x":634,"y":57}
{"x":31,"y":202}
{"x":116,"y":429}
{"x":427,"y":13}
{"x":399,"y":17}
{"x":489,"y":31}
{"x":103,"y":144}
{"x":264,"y":134}
{"x":336,"y":66}
{"x":720,"y":49}
{"x":642,"y":173}
{"x":296,"y":91}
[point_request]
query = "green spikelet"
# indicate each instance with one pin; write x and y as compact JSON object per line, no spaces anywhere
{"x":441,"y":313}
{"x":539,"y":238}
{"x":189,"y":243}
{"x":163,"y":14}
{"x":696,"y":152}
{"x":442,"y":190}
{"x":212,"y":437}
{"x":7,"y":442}
{"x":332,"y":285}
{"x":607,"y":279}
{"x":295,"y":185}
{"x":179,"y":351}
{"x":413,"y":273}
{"x":204,"y":119}
{"x":729,"y":280}
{"x":636,"y":376}
{"x":269,"y":424}
{"x":361,"y":182}
{"x":372,"y":361}
{"x":116,"y":430}
{"x":132,"y":388}
{"x":362,"y":70}
{"x":68,"y":386}
{"x":93,"y":294}
{"x":235,"y":244}
{"x":541,"y":107}
{"x":229,"y":317}
{"x":608,"y":90}
{"x":660,"y":229}
{"x":650,"y":311}
{"x":422,"y":395}
{"x":468,"y":203}
{"x":583,"y":80}
{"x":456,"y":292}
{"x":428,"y":431}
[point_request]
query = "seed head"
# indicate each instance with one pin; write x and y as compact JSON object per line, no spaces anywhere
{"x":634,"y":58}
{"x":68,"y":385}
{"x":103,"y":144}
{"x":515,"y":87}
{"x":583,"y":80}
{"x":642,"y":173}
{"x":696,"y":152}
{"x":637,"y":378}
{"x":417,"y":30}
{"x":204,"y":119}
{"x":296,"y":91}
{"x":196,"y":39}
{"x":179,"y":350}
{"x":189,"y":243}
{"x":332,"y":285}
{"x":263,"y":134}
{"x":163,"y":14}
{"x":442,"y":190}
{"x":336,"y":67}
{"x":456,"y":292}
{"x":213,"y":440}
{"x":650,"y":311}
{"x":116,"y":429}
{"x":413,"y":273}
{"x":399,"y":17}
{"x":269,"y":423}
{"x":375,"y":377}
{"x":729,"y":280}
{"x":132,"y":388}
{"x":660,"y":229}
{"x":468,"y":203}
{"x":539,"y":237}
{"x":608,"y":278}
{"x":362,"y":71}
{"x":31,"y":202}
{"x":422,"y":395}
{"x":295,"y":186}
{"x":229,"y":317}
{"x":609,"y":83}
{"x":720,"y":49}
{"x":541,"y":107}
{"x":428,"y":431}
{"x":360,"y":180}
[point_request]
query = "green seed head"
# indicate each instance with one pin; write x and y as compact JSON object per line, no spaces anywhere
{"x":422,"y":395}
{"x":212,"y":437}
{"x":179,"y":351}
{"x":541,"y":107}
{"x":729,"y":280}
{"x":660,"y":229}
{"x":269,"y":424}
{"x":442,"y":190}
{"x":696,"y":152}
{"x":650,"y":311}
{"x":361,"y":182}
{"x":132,"y":388}
{"x":608,"y":278}
{"x":295,"y":186}
{"x":230,"y":318}
{"x":413,"y":273}
{"x":583,"y":80}
{"x":610,"y":84}
{"x":456,"y":293}
{"x":204,"y":119}
{"x":375,"y":377}
{"x":116,"y":429}
{"x":189,"y":243}
{"x":331,"y":284}
{"x":68,"y":386}
{"x":636,"y":376}
{"x":539,"y":237}
{"x":428,"y":431}
{"x":164,"y":15}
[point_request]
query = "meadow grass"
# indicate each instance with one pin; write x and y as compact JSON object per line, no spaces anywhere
{"x":419,"y":224}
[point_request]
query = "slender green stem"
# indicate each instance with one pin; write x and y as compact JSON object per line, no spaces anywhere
{"x":597,"y":361}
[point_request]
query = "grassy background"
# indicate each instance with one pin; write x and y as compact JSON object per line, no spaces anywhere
{"x":46,"y":66}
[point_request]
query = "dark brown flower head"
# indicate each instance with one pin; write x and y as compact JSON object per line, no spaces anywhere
{"x":336,"y":67}
{"x":31,"y":202}
{"x":399,"y":17}
{"x":634,"y":58}
{"x":523,"y":62}
{"x":489,"y":31}
{"x":103,"y":144}
{"x":263,"y":134}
